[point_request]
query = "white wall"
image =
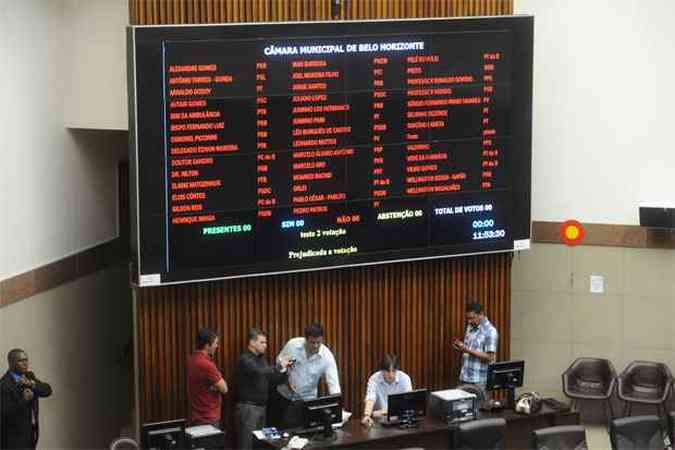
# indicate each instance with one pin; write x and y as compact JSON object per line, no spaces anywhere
{"x":58,"y":189}
{"x":603,"y":107}
{"x":555,"y":318}
{"x":96,"y":81}
{"x":4,"y":120}
{"x":58,"y":196}
{"x":75,"y":337}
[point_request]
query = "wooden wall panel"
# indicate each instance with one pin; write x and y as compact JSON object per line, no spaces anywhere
{"x":413,"y":309}
{"x":152,"y":12}
{"x":608,"y":235}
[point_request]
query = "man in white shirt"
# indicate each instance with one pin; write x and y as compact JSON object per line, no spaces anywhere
{"x":311,"y":360}
{"x":386,"y":381}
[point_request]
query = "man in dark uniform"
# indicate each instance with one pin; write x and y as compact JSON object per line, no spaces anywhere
{"x":254,"y":376}
{"x":20,"y":390}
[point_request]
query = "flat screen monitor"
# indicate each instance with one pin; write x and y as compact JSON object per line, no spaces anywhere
{"x":167,"y":435}
{"x":323,"y":411}
{"x":505,"y":375}
{"x":265,"y":148}
{"x":407,"y":404}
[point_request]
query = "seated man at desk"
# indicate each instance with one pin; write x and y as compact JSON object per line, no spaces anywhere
{"x":389,"y":379}
{"x":310,"y":360}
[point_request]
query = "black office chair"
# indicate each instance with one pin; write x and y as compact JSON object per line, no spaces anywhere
{"x":590,"y":379}
{"x":564,"y":437}
{"x":636,"y":433}
{"x":484,"y":434}
{"x":644,"y":382}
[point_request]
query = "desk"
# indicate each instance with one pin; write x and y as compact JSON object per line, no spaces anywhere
{"x":435,"y":434}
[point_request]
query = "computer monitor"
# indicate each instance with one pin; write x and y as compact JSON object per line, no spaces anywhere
{"x":321,"y":413}
{"x":407,"y":407}
{"x":506,"y":375}
{"x":169,"y":435}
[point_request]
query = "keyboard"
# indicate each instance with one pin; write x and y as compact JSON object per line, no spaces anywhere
{"x":304,"y":431}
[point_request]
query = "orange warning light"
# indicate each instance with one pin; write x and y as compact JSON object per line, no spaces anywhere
{"x":572,"y":232}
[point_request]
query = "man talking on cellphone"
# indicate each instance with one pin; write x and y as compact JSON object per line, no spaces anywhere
{"x":20,"y":390}
{"x":478,"y":348}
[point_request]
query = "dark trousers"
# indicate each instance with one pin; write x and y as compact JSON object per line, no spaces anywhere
{"x":22,"y":442}
{"x":249,"y":417}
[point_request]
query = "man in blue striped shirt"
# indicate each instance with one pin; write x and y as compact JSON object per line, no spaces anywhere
{"x":478,"y":348}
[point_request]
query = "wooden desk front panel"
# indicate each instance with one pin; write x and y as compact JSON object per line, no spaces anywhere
{"x":435,"y":434}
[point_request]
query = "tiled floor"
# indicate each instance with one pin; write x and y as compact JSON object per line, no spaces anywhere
{"x":597,"y":437}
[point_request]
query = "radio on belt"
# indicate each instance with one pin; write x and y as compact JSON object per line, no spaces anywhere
{"x":454,"y":405}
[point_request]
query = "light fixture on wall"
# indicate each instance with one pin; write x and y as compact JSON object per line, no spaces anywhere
{"x":572,"y":232}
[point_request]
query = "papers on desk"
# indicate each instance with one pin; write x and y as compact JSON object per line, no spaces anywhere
{"x":297,"y":442}
{"x":201,"y":431}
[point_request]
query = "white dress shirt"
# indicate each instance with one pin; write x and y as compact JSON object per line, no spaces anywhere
{"x":305,"y":374}
{"x":380,"y":389}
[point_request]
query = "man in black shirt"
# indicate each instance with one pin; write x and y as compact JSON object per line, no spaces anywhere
{"x":253,"y":378}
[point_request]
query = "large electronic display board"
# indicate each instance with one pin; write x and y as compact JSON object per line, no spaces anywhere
{"x":267,"y":148}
